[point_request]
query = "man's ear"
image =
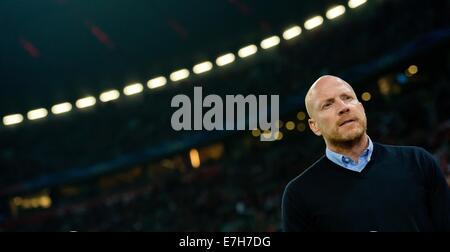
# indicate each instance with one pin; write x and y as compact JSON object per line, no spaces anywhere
{"x":364,"y":110}
{"x":313,"y":126}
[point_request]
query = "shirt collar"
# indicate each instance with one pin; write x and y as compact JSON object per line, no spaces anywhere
{"x":347,"y":162}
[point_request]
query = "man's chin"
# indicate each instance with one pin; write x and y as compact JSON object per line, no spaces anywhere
{"x":350,"y":136}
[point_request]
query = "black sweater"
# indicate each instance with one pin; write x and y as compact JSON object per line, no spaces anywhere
{"x":400,"y":189}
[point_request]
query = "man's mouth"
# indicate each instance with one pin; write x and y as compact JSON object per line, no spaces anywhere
{"x":346,"y":122}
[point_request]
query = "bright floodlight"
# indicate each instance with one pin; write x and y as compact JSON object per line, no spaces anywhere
{"x":37,"y":113}
{"x":179,"y":75}
{"x":313,"y":22}
{"x":61,"y":108}
{"x":85,"y":102}
{"x":12,"y":119}
{"x":335,"y":12}
{"x":109,"y":95}
{"x":157,"y":82}
{"x":355,"y":3}
{"x":225,"y":59}
{"x":270,"y":42}
{"x":292,"y":32}
{"x":202,"y":67}
{"x":133,"y":89}
{"x":247,"y":51}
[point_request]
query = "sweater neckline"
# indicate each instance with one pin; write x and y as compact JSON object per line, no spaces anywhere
{"x":366,"y":169}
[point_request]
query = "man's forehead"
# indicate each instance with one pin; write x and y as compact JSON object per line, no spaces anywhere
{"x":327,"y":89}
{"x":329,"y":81}
{"x":326,"y":85}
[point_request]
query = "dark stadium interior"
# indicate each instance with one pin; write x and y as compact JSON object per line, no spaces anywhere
{"x":119,"y":165}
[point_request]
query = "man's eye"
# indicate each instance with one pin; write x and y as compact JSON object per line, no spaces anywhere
{"x":326,"y":105}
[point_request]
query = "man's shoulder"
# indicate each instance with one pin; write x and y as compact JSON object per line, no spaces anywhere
{"x":411,"y":153}
{"x":309,"y":174}
{"x":401,"y":149}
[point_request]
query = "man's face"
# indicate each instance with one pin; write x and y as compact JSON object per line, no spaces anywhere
{"x":336,"y":113}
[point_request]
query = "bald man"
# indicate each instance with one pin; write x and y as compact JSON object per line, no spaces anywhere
{"x":360,"y":185}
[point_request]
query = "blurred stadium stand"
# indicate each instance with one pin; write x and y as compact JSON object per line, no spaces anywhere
{"x":119,"y":166}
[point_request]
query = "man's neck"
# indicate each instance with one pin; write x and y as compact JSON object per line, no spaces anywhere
{"x":352,"y":149}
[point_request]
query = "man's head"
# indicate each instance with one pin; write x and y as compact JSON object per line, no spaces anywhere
{"x":334,"y":110}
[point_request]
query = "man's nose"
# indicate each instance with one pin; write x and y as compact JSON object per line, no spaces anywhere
{"x":343,"y":108}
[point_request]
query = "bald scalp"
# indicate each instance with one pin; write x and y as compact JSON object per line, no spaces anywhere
{"x":311,"y":94}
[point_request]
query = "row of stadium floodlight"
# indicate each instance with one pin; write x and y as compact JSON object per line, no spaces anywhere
{"x":181,"y":74}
